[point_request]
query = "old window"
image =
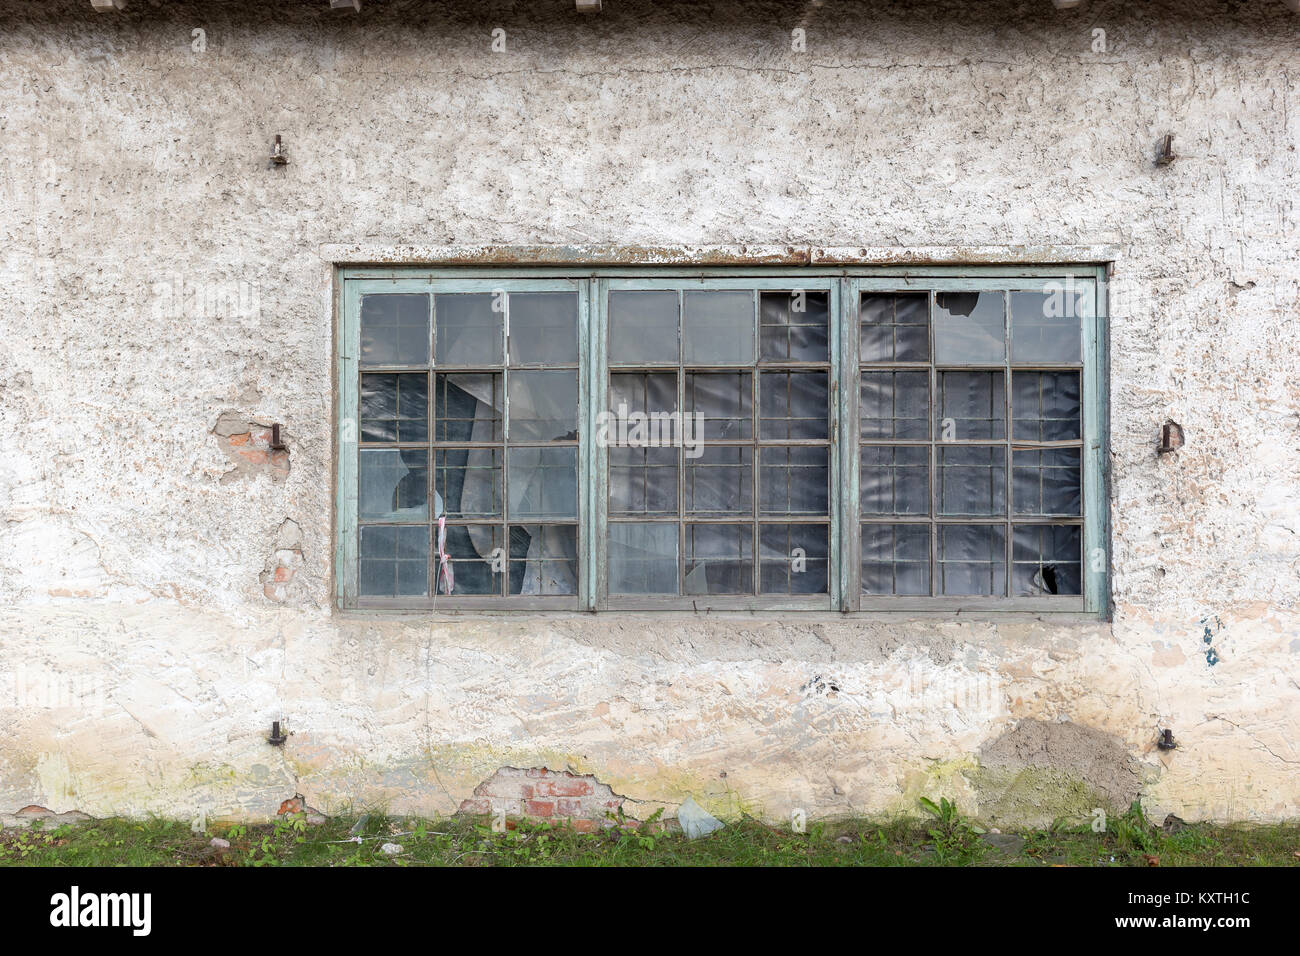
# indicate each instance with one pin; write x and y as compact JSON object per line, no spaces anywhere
{"x":714,"y":441}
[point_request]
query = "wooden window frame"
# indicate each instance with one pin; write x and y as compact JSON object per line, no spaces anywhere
{"x":844,"y":286}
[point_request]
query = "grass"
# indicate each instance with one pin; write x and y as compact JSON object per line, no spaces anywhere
{"x":946,"y":839}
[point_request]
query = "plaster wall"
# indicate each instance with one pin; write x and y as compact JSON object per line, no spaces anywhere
{"x":165,"y":593}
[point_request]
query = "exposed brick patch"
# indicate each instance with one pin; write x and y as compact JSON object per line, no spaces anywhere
{"x":248,"y":446}
{"x":285,"y":561}
{"x":541,"y":794}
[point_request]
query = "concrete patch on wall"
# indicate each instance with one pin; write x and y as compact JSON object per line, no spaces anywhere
{"x":1040,"y":771}
{"x":284,"y":563}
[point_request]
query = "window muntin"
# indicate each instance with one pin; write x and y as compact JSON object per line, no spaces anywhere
{"x":974,"y":402}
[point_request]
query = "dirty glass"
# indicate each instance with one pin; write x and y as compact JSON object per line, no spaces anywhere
{"x":393,"y":485}
{"x":394,"y":329}
{"x":794,"y":558}
{"x":895,"y":327}
{"x":543,"y":328}
{"x":794,"y":326}
{"x":543,"y":559}
{"x":643,"y":327}
{"x":718,"y":328}
{"x":642,"y":558}
{"x":896,"y":559}
{"x":470,"y":328}
{"x":393,"y":560}
{"x":719,"y":559}
{"x":395,"y":408}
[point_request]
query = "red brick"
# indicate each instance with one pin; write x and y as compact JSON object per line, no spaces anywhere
{"x":585,"y":826}
{"x":239,"y":439}
{"x":539,"y":808}
{"x":568,"y":807}
{"x":482,"y":805}
{"x":560,"y":787}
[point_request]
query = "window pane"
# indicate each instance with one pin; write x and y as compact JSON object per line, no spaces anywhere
{"x":972,"y":406}
{"x":642,"y":558}
{"x":793,"y":558}
{"x":1046,"y":560}
{"x":723,"y":403}
{"x":973,"y":559}
{"x":642,"y":480}
{"x":543,"y":482}
{"x":393,"y":485}
{"x":895,"y":327}
{"x":1046,"y":481}
{"x":478,"y":559}
{"x":394,"y":408}
{"x":543,"y":406}
{"x":394,"y":561}
{"x":718,"y":328}
{"x":794,"y":326}
{"x":644,"y":392}
{"x":794,"y":405}
{"x":972,"y":479}
{"x":394,"y":330}
{"x":721,"y":480}
{"x":467,"y":483}
{"x":794,"y":480}
{"x":544,"y":328}
{"x":470,"y":328}
{"x":895,"y":480}
{"x":894,"y":405}
{"x":643,"y":327}
{"x":896,"y":559}
{"x":1045,"y":406}
{"x":1046,"y":326}
{"x":543,"y":559}
{"x":467,"y":407}
{"x":969,"y":328}
{"x":719,"y":559}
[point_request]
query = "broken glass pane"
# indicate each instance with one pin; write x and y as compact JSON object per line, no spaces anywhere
{"x":543,"y":482}
{"x":543,"y":405}
{"x":467,"y":482}
{"x":718,"y":328}
{"x":395,"y":408}
{"x":721,"y":480}
{"x":970,"y":328}
{"x":972,"y":479}
{"x":973,"y":559}
{"x":470,"y":328}
{"x":794,"y":405}
{"x":478,"y":558}
{"x":393,"y":485}
{"x":794,"y":326}
{"x":972,"y":406}
{"x":793,"y":558}
{"x":543,"y":559}
{"x":895,"y":480}
{"x":642,"y":558}
{"x":896,"y":559}
{"x":394,"y":561}
{"x":1047,"y":326}
{"x":394,"y":329}
{"x":643,"y":327}
{"x":1045,"y":406}
{"x":794,"y":479}
{"x":894,"y":405}
{"x":1046,"y":560}
{"x":467,"y":407}
{"x":895,"y":327}
{"x":544,"y":328}
{"x":1046,"y":481}
{"x":719,"y":559}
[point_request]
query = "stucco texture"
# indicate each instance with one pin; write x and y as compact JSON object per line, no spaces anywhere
{"x":166,"y":581}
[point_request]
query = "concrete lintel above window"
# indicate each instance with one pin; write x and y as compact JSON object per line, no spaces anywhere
{"x":593,"y":255}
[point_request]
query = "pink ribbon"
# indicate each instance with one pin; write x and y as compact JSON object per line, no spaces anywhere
{"x":444,"y":559}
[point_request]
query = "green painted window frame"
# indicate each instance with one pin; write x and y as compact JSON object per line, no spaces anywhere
{"x":844,"y":287}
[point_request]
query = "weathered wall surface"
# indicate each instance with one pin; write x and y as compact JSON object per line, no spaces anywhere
{"x":166,"y":579}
